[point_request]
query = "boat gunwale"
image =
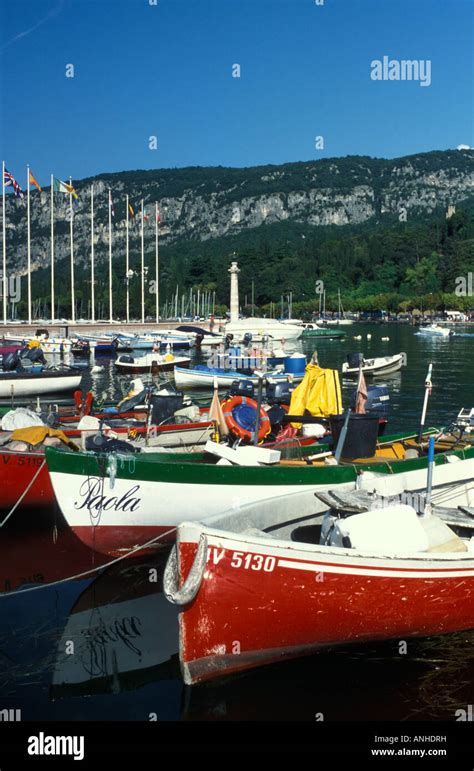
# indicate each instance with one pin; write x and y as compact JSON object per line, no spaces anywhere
{"x":169,"y":467}
{"x":273,"y":544}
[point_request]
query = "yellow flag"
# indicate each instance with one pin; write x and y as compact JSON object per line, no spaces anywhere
{"x":34,"y":182}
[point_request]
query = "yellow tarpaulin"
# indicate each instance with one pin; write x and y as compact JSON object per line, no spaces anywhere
{"x":319,"y":393}
{"x":37,"y":434}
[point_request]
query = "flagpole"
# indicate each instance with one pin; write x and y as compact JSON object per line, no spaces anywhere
{"x":157,"y":223}
{"x":28,"y":240}
{"x":52,"y":249}
{"x":143,"y":263}
{"x":4,"y":242}
{"x":92,"y":258}
{"x":110,"y":258}
{"x":127,"y":278}
{"x":71,"y":236}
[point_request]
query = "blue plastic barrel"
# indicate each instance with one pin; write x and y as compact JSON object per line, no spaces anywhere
{"x":295,"y":364}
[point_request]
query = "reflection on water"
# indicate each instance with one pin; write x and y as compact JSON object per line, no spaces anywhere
{"x":103,"y":645}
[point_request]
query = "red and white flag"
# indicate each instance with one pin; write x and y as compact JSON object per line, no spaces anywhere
{"x":361,"y":395}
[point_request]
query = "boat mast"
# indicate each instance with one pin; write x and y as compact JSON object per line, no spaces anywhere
{"x":71,"y":237}
{"x":92,"y":258}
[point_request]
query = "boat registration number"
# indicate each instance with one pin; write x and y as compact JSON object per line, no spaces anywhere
{"x":240,"y":559}
{"x":252,"y":561}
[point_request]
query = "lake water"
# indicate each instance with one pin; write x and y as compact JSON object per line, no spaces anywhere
{"x":123,"y":664}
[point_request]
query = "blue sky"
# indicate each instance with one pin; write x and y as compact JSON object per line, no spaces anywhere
{"x":142,"y":70}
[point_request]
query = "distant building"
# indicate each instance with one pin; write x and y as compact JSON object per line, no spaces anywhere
{"x":450,"y":212}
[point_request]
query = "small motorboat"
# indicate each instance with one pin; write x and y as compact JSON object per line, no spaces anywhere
{"x":202,"y":376}
{"x":151,"y":362}
{"x":80,"y":347}
{"x":274,"y":581}
{"x":434,"y":330}
{"x":44,"y":341}
{"x":379,"y":366}
{"x":311,"y":332}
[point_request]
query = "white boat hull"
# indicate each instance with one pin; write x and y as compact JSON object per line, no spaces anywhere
{"x":385,"y":365}
{"x":186,"y":379}
{"x":434,"y":331}
{"x":128,"y":511}
{"x":260,"y":327}
{"x":37,"y":384}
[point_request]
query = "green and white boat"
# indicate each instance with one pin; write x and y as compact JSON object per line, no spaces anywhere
{"x":309,"y":333}
{"x":114,"y":503}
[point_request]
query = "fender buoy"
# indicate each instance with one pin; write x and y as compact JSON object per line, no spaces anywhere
{"x":88,"y":402}
{"x":83,"y":408}
{"x":232,"y":420}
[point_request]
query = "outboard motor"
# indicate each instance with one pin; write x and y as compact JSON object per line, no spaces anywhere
{"x":35,"y":355}
{"x":11,"y":362}
{"x":228,"y":341}
{"x":247,"y":339}
{"x":242,"y":388}
{"x":377,"y":402}
{"x":280,"y":393}
{"x":354,"y":360}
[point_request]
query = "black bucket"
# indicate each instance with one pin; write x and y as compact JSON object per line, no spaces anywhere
{"x":361,"y":437}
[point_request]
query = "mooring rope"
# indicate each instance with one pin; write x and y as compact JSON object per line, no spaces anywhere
{"x":25,"y":491}
{"x":86,"y":573}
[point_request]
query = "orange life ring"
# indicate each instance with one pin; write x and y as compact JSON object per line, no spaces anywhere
{"x":228,"y":407}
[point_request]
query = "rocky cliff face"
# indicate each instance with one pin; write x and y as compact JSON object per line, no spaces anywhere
{"x":203,"y":203}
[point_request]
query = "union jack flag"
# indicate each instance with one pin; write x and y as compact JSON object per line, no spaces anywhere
{"x":10,"y":181}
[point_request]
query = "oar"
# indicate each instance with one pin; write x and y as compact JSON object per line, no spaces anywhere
{"x":428,"y":386}
{"x":342,"y":437}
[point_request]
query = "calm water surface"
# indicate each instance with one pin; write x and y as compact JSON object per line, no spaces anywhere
{"x":124,"y":660}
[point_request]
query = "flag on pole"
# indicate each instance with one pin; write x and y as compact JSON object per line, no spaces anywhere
{"x":34,"y":182}
{"x":361,"y":395}
{"x":10,"y":181}
{"x":131,"y":211}
{"x":63,"y":187}
{"x":158,"y":217}
{"x":216,"y":412}
{"x":111,"y":204}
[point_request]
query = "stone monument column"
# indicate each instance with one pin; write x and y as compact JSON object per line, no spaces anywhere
{"x":234,"y":292}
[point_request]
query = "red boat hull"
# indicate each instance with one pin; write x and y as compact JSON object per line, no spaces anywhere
{"x":119,"y":541}
{"x":16,"y":472}
{"x":260,"y":606}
